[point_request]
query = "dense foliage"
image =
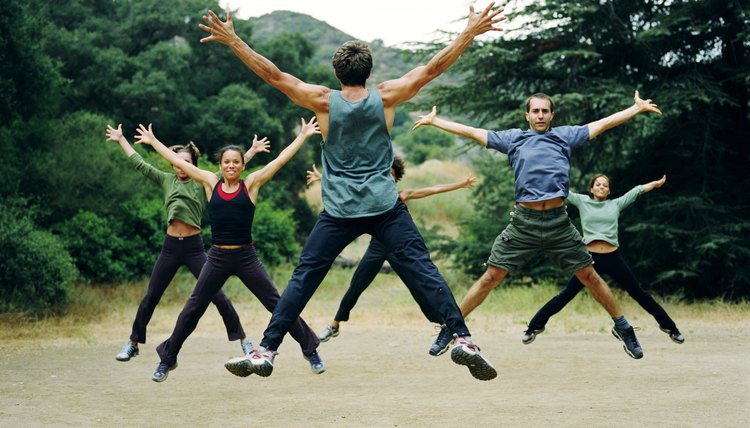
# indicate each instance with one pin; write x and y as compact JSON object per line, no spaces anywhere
{"x":691,"y":57}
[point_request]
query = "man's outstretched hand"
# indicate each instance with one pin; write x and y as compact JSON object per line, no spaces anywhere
{"x":645,"y":105}
{"x":220,"y":31}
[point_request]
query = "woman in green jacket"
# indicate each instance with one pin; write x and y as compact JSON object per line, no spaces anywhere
{"x":599,"y":221}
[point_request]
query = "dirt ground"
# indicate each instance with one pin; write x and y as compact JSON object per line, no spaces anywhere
{"x":381,"y":376}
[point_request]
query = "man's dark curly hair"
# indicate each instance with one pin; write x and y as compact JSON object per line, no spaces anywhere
{"x":398,"y":168}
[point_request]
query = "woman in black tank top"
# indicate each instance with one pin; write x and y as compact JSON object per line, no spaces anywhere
{"x":231,"y":205}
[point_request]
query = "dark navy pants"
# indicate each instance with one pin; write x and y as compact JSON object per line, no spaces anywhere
{"x":178,"y":252}
{"x":396,"y":230}
{"x":220,"y":265}
{"x":367,"y":269}
{"x":614,"y":265}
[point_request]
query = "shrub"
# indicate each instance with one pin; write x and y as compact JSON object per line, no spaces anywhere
{"x":273,"y":232}
{"x":37,"y":270}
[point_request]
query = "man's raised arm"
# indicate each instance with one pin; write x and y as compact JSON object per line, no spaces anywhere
{"x":639,"y":106}
{"x":477,"y":134}
{"x":311,"y":97}
{"x":397,"y":91}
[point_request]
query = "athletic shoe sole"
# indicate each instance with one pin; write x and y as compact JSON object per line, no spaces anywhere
{"x":532,"y":338}
{"x":239,"y":366}
{"x":478,"y":367}
{"x":327,"y":337}
{"x":616,"y":334}
{"x":263,"y":370}
{"x":123,"y":356}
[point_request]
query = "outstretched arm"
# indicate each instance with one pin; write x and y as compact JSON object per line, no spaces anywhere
{"x":116,"y":135}
{"x":477,"y":134}
{"x":258,"y":146}
{"x":311,"y":97}
{"x":397,"y":91}
{"x":146,"y":136}
{"x":639,"y":106}
{"x":258,"y":178}
{"x":654,"y":184}
{"x":313,"y":176}
{"x":439,"y":188}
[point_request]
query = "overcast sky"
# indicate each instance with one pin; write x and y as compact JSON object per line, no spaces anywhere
{"x":393,"y":21}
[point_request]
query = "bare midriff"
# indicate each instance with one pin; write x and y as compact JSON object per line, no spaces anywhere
{"x":543,"y":205}
{"x":601,"y":247}
{"x":180,"y":229}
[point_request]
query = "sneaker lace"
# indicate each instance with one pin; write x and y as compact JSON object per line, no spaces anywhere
{"x":266,"y":353}
{"x":439,"y":329}
{"x":630,"y":336}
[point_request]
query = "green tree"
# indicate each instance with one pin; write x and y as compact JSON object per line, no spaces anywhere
{"x":425,"y":143}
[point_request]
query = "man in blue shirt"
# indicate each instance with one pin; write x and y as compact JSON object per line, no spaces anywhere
{"x":540,"y":158}
{"x":359,"y":195}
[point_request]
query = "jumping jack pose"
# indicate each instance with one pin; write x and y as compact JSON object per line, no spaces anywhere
{"x":359,"y":195}
{"x":373,"y":259}
{"x":599,"y":221}
{"x":540,"y":158}
{"x":231,"y":208}
{"x":185,"y":202}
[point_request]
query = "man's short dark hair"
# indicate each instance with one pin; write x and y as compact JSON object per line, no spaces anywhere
{"x":352,"y":63}
{"x":541,"y":96}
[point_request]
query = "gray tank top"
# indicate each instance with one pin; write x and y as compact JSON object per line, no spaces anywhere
{"x":357,"y":158}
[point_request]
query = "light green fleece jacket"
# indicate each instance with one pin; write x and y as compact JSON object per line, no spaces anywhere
{"x":599,"y":219}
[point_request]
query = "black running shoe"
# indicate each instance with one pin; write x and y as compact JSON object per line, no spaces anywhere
{"x":316,"y":363}
{"x":442,"y":342}
{"x":162,"y":371}
{"x":629,"y":342}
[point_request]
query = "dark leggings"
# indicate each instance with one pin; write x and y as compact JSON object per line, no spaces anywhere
{"x":365,"y":273}
{"x":396,"y":230}
{"x":178,"y":252}
{"x":220,"y":265}
{"x":614,"y":265}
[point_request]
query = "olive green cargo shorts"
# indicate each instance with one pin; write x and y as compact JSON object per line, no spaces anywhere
{"x":549,"y":232}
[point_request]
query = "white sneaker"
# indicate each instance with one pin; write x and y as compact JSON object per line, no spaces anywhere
{"x":328,"y":333}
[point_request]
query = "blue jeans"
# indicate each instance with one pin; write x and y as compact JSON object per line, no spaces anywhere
{"x":614,"y":265}
{"x":365,"y":273}
{"x":396,"y":230}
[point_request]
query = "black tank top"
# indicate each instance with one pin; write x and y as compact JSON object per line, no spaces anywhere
{"x":231,"y":216}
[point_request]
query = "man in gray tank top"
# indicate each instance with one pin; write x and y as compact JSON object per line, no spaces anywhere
{"x":359,"y":195}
